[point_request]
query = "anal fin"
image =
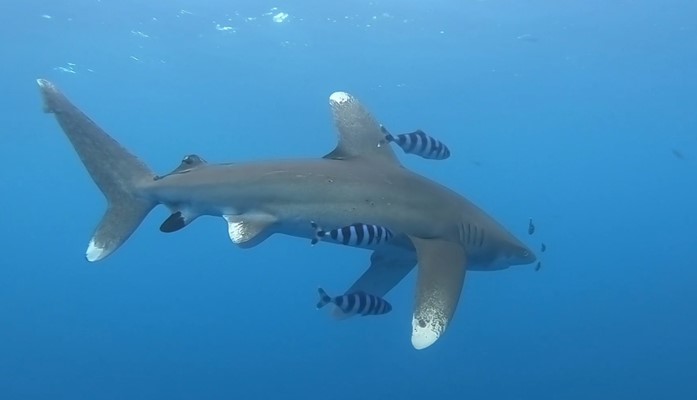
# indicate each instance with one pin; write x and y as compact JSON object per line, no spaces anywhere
{"x":441,"y":274}
{"x":250,"y":229}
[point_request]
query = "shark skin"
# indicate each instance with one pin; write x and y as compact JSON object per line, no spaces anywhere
{"x":358,"y":181}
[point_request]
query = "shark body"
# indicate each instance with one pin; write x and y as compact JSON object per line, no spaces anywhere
{"x":359,"y":181}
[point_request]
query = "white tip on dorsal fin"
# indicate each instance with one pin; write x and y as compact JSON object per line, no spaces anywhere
{"x":339,"y":97}
{"x":360,"y":134}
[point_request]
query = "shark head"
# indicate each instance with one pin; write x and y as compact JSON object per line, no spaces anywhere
{"x":521,"y":255}
{"x":512,"y":252}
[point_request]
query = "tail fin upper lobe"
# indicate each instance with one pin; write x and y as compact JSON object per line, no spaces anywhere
{"x":116,"y":172}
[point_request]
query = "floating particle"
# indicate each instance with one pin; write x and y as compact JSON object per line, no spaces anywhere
{"x":280,"y":17}
{"x":527,"y":37}
{"x":223,"y":28}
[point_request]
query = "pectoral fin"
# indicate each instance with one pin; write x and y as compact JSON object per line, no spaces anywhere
{"x":388,"y":266}
{"x":248,"y":230}
{"x":441,"y":273}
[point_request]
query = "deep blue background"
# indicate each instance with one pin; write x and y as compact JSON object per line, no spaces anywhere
{"x":569,"y":112}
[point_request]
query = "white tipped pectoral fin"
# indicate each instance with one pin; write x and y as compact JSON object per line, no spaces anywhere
{"x":388,"y":266}
{"x":384,"y":273}
{"x":248,"y":230}
{"x":441,"y":274}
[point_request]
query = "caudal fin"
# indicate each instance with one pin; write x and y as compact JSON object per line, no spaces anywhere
{"x":116,"y":172}
{"x":324,"y":298}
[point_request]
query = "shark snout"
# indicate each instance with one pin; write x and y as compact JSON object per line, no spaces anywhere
{"x":523,"y":255}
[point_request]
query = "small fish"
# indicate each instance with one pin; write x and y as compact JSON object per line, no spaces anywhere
{"x":678,"y":154}
{"x":359,"y":235}
{"x":418,"y":143}
{"x":543,"y":247}
{"x":538,"y":266}
{"x":356,"y":303}
{"x":531,"y":227}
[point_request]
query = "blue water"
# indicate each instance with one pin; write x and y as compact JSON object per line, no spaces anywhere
{"x":579,"y":114}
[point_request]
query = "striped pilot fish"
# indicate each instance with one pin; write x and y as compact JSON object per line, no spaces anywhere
{"x":418,"y":143}
{"x":355,"y":303}
{"x":357,"y":235}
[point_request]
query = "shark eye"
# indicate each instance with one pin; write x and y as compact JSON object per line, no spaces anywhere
{"x":188,"y":160}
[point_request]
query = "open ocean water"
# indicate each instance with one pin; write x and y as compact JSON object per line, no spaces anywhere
{"x":581,"y":115}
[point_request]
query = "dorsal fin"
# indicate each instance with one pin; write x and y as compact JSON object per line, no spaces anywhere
{"x":188,"y":163}
{"x":360,"y":135}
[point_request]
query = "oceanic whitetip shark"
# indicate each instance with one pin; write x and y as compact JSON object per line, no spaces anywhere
{"x":358,"y":182}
